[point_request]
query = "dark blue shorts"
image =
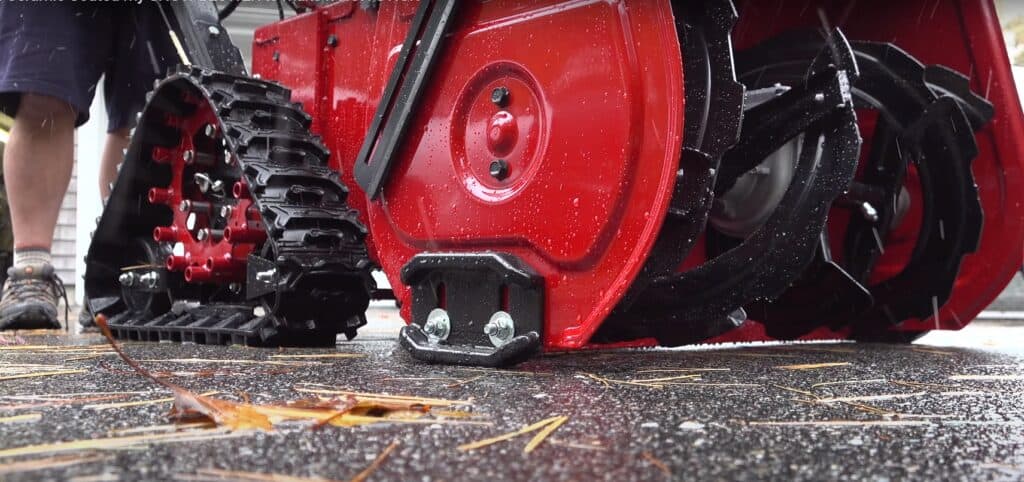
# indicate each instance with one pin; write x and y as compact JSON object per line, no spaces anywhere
{"x":61,"y":49}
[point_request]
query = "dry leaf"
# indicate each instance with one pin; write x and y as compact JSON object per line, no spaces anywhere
{"x":355,"y":409}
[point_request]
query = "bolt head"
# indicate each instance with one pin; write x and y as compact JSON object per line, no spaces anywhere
{"x":499,"y":169}
{"x":500,"y":329}
{"x":332,"y":40}
{"x":225,"y":211}
{"x":214,"y":31}
{"x":500,"y":96}
{"x":184,"y":206}
{"x":126,"y":279}
{"x":438,"y":325}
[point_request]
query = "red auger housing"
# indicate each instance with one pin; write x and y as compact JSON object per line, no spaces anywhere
{"x":554,"y":175}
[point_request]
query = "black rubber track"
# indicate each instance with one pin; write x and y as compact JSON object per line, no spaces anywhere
{"x":316,"y":243}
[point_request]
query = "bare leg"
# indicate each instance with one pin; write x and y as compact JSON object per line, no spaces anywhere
{"x":37,"y":167}
{"x":117,"y":141}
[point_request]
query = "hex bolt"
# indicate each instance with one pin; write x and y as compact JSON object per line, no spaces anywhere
{"x":214,"y":31}
{"x":235,"y":288}
{"x":819,"y":97}
{"x":277,"y":56}
{"x":126,"y":279}
{"x":226,"y":211}
{"x":214,"y":235}
{"x":499,"y":169}
{"x":332,"y":40}
{"x":500,"y":96}
{"x":198,"y":207}
{"x":187,"y":156}
{"x":869,"y":212}
{"x":438,"y":326}
{"x":202,"y":181}
{"x":500,"y":329}
{"x":738,"y":316}
{"x":266,"y":276}
{"x":150,"y":280}
{"x":210,"y":130}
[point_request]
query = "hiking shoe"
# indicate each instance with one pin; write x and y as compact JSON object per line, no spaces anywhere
{"x":30,"y":298}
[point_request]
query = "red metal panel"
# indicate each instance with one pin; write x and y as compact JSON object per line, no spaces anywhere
{"x":585,"y":195}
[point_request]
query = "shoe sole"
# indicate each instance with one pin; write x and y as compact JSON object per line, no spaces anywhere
{"x":31,"y":317}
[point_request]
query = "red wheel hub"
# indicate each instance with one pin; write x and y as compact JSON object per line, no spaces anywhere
{"x":562,"y":151}
{"x":215,"y":224}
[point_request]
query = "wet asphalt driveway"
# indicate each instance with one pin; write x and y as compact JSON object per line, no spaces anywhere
{"x":951,"y":407}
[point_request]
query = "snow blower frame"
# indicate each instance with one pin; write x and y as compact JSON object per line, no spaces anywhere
{"x":539,"y":175}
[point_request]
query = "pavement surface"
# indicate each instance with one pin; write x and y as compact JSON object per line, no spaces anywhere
{"x":949,"y":407}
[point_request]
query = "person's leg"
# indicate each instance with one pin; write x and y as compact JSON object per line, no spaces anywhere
{"x":37,"y":168}
{"x":38,"y":160}
{"x":113,"y":153}
{"x":54,"y":57}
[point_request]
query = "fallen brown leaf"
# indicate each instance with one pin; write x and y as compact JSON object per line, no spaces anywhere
{"x":107,"y":406}
{"x":188,"y":406}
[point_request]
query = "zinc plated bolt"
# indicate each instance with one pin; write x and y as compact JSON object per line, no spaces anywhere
{"x":438,"y":326}
{"x":126,"y":279}
{"x":500,"y":329}
{"x":150,"y":279}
